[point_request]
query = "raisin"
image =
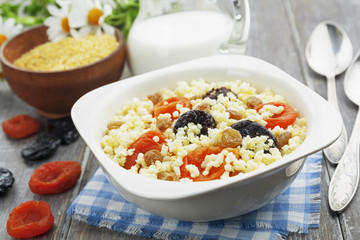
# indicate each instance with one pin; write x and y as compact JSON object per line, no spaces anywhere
{"x":151,"y":156}
{"x":155,"y":98}
{"x":252,"y":102}
{"x":167,"y":176}
{"x":60,"y":131}
{"x":231,"y":138}
{"x":283,"y":139}
{"x":6,"y":179}
{"x":163,"y":123}
{"x":197,"y":117}
{"x":203,"y":107}
{"x":115,"y":124}
{"x":234,"y":114}
{"x":143,"y":144}
{"x":253,"y":129}
{"x":215,"y":92}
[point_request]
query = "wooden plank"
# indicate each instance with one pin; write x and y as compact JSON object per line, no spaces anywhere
{"x":307,"y":15}
{"x":271,"y":38}
{"x":11,"y":158}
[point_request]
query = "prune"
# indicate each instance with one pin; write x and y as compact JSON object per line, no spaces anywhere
{"x":6,"y":179}
{"x":253,"y":129}
{"x":44,"y":146}
{"x":215,"y":92}
{"x":60,"y":131}
{"x":63,"y":128}
{"x":197,"y":117}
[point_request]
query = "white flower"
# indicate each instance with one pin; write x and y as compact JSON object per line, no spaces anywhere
{"x":58,"y":22}
{"x":89,"y":17}
{"x":9,"y":29}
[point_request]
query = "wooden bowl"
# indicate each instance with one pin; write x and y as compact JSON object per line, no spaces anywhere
{"x":53,"y":94}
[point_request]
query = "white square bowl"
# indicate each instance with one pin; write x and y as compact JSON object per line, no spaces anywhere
{"x":217,"y":199}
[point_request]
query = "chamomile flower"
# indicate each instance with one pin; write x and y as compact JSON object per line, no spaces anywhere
{"x":89,"y":17}
{"x":58,"y":22}
{"x":9,"y":29}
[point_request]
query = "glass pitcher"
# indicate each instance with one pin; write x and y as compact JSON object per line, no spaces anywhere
{"x":167,"y":32}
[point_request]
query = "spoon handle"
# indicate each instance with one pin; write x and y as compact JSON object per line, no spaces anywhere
{"x":335,"y":151}
{"x":345,"y":180}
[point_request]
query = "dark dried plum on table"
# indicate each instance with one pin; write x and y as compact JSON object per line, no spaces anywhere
{"x":197,"y":117}
{"x":64,"y":128}
{"x":253,"y":129}
{"x":44,"y":146}
{"x":6,"y":179}
{"x":60,"y":131}
{"x":215,"y":92}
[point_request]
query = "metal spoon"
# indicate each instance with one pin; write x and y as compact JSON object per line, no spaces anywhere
{"x":345,"y":180}
{"x":329,"y":52}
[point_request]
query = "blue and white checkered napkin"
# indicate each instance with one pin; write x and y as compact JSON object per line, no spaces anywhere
{"x":295,"y":210}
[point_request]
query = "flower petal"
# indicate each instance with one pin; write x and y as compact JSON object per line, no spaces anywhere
{"x":56,"y":12}
{"x":110,"y":30}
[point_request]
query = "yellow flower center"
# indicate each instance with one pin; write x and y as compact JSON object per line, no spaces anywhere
{"x":94,"y":16}
{"x":65,"y":25}
{"x":2,"y":38}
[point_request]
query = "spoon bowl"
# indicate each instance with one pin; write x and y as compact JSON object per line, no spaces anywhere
{"x":329,"y":52}
{"x":345,"y":180}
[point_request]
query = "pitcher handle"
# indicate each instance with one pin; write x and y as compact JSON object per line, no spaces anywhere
{"x":240,"y":32}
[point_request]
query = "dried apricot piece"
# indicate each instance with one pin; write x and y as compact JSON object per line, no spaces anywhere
{"x":147,"y":141}
{"x":169,"y":105}
{"x":197,"y":156}
{"x":55,"y":177}
{"x":283,"y":119}
{"x":30,"y":219}
{"x":21,"y":126}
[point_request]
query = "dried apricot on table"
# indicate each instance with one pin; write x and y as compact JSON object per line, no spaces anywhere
{"x":21,"y":126}
{"x":55,"y":177}
{"x":30,"y":219}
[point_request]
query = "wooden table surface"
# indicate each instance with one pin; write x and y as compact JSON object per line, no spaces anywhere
{"x":279,"y":31}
